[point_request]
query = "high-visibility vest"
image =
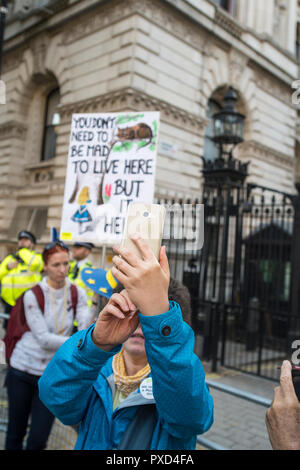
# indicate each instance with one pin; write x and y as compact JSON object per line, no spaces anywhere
{"x":75,"y":277}
{"x":26,"y":275}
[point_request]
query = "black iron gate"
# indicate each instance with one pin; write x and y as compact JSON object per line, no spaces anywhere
{"x":245,"y":305}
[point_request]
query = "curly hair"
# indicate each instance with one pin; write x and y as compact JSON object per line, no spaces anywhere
{"x":178,"y":293}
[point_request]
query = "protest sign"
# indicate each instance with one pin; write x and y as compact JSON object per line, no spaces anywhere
{"x":111,"y":162}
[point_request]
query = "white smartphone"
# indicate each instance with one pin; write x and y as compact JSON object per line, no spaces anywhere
{"x":147,"y":220}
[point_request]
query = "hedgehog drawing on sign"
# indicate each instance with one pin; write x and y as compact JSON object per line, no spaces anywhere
{"x":82,"y":215}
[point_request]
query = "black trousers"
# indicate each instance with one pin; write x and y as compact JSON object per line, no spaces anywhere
{"x":23,"y":401}
{"x":7,"y":309}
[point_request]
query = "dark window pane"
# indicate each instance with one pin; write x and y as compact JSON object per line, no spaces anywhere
{"x":33,"y":219}
{"x":20,"y":220}
{"x":39,"y":222}
{"x":228,"y":5}
{"x":52,"y":119}
{"x":49,"y":143}
{"x":298,"y":42}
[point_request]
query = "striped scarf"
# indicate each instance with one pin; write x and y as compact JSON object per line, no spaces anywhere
{"x":123,"y":382}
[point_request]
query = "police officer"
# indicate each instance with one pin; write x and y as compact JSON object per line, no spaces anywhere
{"x":81,"y":252}
{"x":20,"y":271}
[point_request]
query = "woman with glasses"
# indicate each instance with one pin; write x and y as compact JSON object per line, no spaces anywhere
{"x":48,"y":330}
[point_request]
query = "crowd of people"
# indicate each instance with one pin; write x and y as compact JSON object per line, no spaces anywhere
{"x":124,"y":375}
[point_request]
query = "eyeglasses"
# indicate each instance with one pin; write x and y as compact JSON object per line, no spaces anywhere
{"x":55,"y":243}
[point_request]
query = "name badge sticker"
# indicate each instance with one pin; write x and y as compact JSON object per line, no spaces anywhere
{"x":146,"y":388}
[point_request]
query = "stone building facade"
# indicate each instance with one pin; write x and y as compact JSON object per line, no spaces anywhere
{"x":173,"y":56}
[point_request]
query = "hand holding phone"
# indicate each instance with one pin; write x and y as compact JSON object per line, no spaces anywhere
{"x":148,"y":221}
{"x":142,"y":265}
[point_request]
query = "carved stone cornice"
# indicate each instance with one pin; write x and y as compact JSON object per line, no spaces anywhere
{"x":228,"y":23}
{"x":252,"y":149}
{"x":133,"y":100}
{"x":40,"y":173}
{"x":155,"y":11}
{"x":8,"y":191}
{"x":23,"y":9}
{"x":13,"y":129}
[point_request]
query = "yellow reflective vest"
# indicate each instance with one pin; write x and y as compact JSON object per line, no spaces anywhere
{"x":26,"y":275}
{"x":75,"y":277}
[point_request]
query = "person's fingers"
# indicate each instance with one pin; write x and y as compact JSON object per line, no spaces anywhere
{"x":163,"y":261}
{"x":120,"y":301}
{"x":286,"y":381}
{"x":115,"y":311}
{"x":131,"y":305}
{"x":286,"y":367}
{"x":143,"y":246}
{"x":130,"y":257}
{"x":277,"y":395}
{"x":122,"y":265}
{"x":119,"y":275}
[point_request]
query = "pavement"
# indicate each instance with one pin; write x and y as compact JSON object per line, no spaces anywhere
{"x":239,"y":424}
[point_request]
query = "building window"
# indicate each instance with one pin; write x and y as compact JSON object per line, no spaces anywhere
{"x":52,"y":119}
{"x":211,"y":150}
{"x":298,"y":42}
{"x":29,"y":218}
{"x":280,"y":26}
{"x":228,"y":5}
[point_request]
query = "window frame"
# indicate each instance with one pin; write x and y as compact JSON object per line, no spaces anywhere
{"x":33,"y":216}
{"x":208,"y":137}
{"x":227,"y":5}
{"x":297,"y":42}
{"x":47,"y":126}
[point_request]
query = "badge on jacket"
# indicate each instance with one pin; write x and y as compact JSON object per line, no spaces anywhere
{"x":146,"y":388}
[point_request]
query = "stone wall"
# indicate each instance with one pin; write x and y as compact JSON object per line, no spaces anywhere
{"x":142,"y":55}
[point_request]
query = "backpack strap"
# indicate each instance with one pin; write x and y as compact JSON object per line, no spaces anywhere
{"x":38,"y":292}
{"x":74,"y":297}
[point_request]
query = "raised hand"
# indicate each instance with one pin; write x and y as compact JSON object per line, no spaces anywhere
{"x":146,"y":280}
{"x":116,"y":322}
{"x":283,"y":417}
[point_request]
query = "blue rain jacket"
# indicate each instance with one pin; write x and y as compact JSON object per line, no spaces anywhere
{"x":77,"y":387}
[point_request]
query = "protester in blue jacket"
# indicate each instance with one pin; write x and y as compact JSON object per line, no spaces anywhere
{"x":149,"y":393}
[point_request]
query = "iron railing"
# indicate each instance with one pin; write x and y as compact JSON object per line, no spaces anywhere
{"x":238,"y":393}
{"x":241,"y":281}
